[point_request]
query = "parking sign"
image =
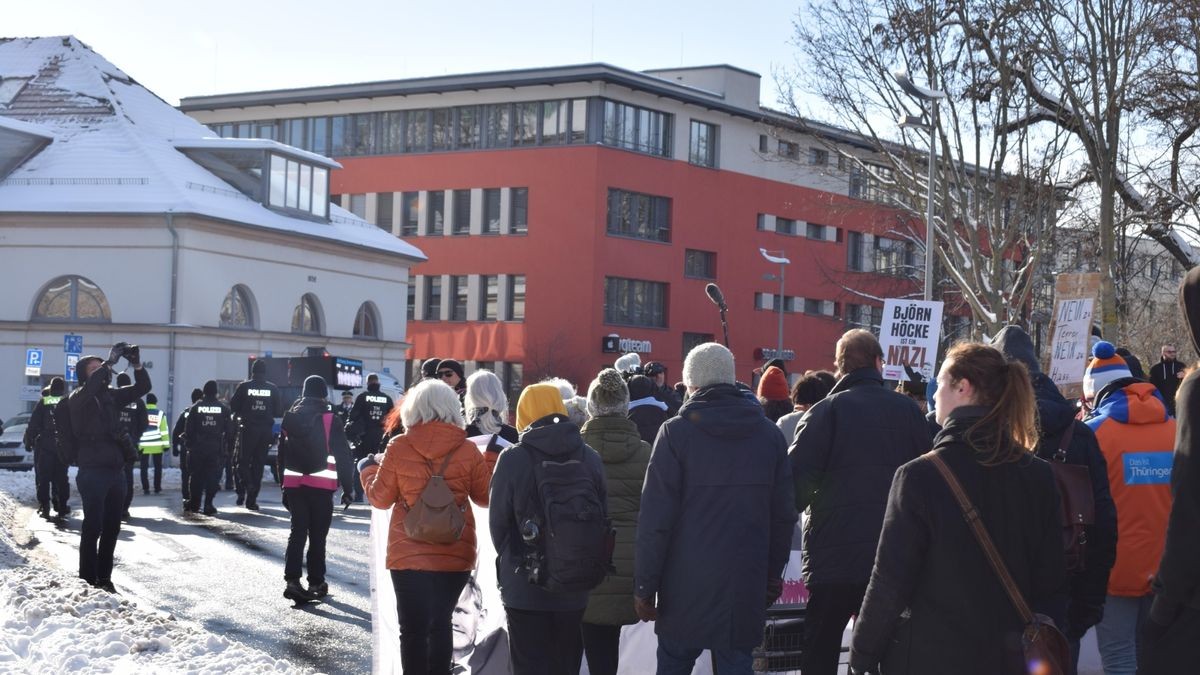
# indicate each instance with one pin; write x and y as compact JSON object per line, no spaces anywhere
{"x":33,"y":362}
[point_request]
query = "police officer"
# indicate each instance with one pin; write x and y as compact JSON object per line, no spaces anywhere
{"x":50,"y":473}
{"x":133,"y":419}
{"x":343,"y":410}
{"x":101,"y":447}
{"x":207,"y":432}
{"x":256,"y":403}
{"x":179,"y":445}
{"x":153,"y":443}
{"x":365,"y":426}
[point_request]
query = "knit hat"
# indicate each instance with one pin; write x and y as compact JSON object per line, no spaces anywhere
{"x":774,"y":385}
{"x":314,"y":387}
{"x":1104,"y":368}
{"x":123,"y":380}
{"x":1016,"y":344}
{"x":429,"y":368}
{"x":210,"y":389}
{"x":628,"y":363}
{"x":640,"y":387}
{"x":151,"y":399}
{"x":57,"y":386}
{"x":456,"y":367}
{"x":259,"y":367}
{"x":537,"y":401}
{"x":81,"y":366}
{"x":608,"y":394}
{"x":708,"y":364}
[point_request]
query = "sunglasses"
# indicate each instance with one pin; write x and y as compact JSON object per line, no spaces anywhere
{"x":446,"y":373}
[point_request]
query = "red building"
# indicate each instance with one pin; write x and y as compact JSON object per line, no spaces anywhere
{"x":561,"y":206}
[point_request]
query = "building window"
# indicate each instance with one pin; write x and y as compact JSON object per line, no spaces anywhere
{"x":693,"y":340}
{"x":702,"y":144}
{"x":437,"y":213}
{"x":489,"y":300}
{"x":700,"y":264}
{"x":818,"y":156}
{"x":871,"y":182}
{"x":306,"y":318}
{"x":815,"y":231}
{"x":632,"y":302}
{"x":785,"y":225}
{"x":856,"y":258}
{"x":72,"y":298}
{"x":468,"y":124}
{"x":383,"y":211}
{"x":516,"y":297}
{"x":632,"y":214}
{"x":358,"y":205}
{"x":366,"y":322}
{"x":441,"y":131}
{"x":458,"y":295}
{"x":638,"y":129}
{"x":868,"y":317}
{"x":416,"y":131}
{"x":525,"y":123}
{"x":409,"y":214}
{"x":410,"y":308}
{"x":295,"y":186}
{"x":513,"y":378}
{"x":519,"y":218}
{"x":462,"y":212}
{"x":433,"y":298}
{"x":497,"y":117}
{"x":894,"y":257}
{"x":819,"y":307}
{"x":491,"y":211}
{"x":789,"y":150}
{"x":237,"y":311}
{"x":391,"y":133}
{"x":555,"y":120}
{"x":763,"y":143}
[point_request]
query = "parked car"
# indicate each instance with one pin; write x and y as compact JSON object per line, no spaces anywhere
{"x":12,"y":444}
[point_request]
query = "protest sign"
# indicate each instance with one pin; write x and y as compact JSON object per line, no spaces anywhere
{"x":1071,"y":330}
{"x":909,"y":335}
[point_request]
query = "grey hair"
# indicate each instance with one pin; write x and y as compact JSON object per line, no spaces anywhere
{"x":577,"y":410}
{"x":565,"y":388}
{"x":485,"y":391}
{"x":431,"y":401}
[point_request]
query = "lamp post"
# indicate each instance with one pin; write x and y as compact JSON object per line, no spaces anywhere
{"x":930,"y":96}
{"x":782,"y":262}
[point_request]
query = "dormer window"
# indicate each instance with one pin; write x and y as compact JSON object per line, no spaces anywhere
{"x":18,"y":142}
{"x":278,"y":176}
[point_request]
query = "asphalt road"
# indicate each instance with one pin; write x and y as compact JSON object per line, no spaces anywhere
{"x":226,"y":574}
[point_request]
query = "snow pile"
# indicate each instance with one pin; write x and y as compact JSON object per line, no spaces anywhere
{"x":20,"y":486}
{"x":10,"y":552}
{"x":56,"y":623}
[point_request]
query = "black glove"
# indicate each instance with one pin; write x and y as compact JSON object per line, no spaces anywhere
{"x":347,"y":500}
{"x":133,"y":354}
{"x":115,"y":354}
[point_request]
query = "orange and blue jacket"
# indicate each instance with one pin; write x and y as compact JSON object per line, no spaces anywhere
{"x":1137,"y":437}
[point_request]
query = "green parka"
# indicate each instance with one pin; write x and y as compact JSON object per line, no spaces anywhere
{"x":625,"y":457}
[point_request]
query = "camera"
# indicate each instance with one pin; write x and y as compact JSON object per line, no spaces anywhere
{"x":531,"y":563}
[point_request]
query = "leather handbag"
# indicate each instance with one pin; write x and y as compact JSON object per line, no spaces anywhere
{"x":1078,"y":502}
{"x":1044,"y":647}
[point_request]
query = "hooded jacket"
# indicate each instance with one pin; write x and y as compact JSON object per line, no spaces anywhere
{"x":555,"y":437}
{"x":339,"y":467}
{"x":1177,"y":585}
{"x":94,"y":411}
{"x":1089,"y":585}
{"x":625,"y":456}
{"x":1136,"y":434}
{"x":410,"y":459}
{"x":716,"y":521}
{"x":846,"y":451}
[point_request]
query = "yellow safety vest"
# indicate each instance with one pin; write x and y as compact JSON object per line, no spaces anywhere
{"x":157,"y":438}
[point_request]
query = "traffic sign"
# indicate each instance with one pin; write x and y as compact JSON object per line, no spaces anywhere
{"x":72,"y":359}
{"x":73,"y":344}
{"x":33,"y":362}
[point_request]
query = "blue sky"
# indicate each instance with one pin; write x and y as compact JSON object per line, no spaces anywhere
{"x":182,"y":49}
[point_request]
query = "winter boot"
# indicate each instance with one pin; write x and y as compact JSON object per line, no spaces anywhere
{"x":318,"y":591}
{"x":44,"y":511}
{"x":210,"y":510}
{"x":241,"y":498}
{"x":253,"y":506}
{"x":296,"y":593}
{"x":106,"y":585}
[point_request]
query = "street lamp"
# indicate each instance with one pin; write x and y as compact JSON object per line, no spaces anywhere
{"x":782,"y":262}
{"x":930,"y":96}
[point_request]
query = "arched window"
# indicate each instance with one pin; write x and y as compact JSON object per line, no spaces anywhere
{"x":72,"y":298}
{"x":306,"y":318}
{"x":237,"y":311}
{"x":366,"y":323}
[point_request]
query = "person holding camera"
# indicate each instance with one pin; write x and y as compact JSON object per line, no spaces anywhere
{"x":101,"y":449}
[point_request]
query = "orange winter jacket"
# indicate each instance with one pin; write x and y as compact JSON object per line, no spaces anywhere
{"x":1137,"y":437}
{"x":408,"y":462}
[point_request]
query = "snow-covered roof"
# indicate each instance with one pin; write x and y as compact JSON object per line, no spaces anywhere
{"x":214,"y":143}
{"x":115,"y":150}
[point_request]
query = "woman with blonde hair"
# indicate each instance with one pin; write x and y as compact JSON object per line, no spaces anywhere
{"x":960,"y":617}
{"x":428,"y":572}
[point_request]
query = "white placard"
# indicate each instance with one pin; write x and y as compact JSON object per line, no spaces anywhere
{"x":909,"y":335}
{"x":1071,"y":339}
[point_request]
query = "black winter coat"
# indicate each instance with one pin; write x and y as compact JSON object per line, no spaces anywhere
{"x":508,"y":502}
{"x":95,"y":409}
{"x":364,"y":429}
{"x":716,"y":521}
{"x":1089,"y":586}
{"x":649,"y":418}
{"x":209,"y":427}
{"x":257,"y":403}
{"x":1164,"y":375}
{"x":293,"y":455}
{"x":929,"y":562}
{"x":847,"y":448}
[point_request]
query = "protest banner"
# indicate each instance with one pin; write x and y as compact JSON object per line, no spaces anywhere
{"x":909,"y":334}
{"x":1071,"y":330}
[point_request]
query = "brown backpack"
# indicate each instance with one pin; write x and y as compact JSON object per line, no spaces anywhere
{"x":435,"y":518}
{"x":1078,"y":502}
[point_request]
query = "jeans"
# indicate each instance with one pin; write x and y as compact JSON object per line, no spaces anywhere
{"x":543,"y":643}
{"x":157,"y":458}
{"x":102,"y":491}
{"x":253,"y":447}
{"x":425,"y":602}
{"x":53,"y":486}
{"x":676,"y":660}
{"x":312,"y":514}
{"x":602,"y":644}
{"x":1119,"y":634}
{"x":830,"y":607}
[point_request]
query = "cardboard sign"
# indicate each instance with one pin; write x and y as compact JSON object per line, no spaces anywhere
{"x":909,"y":335}
{"x":1066,"y":343}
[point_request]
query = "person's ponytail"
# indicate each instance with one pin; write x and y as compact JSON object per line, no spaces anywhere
{"x":1009,"y":429}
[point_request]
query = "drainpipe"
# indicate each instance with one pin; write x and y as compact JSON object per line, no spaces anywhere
{"x":170,"y":407}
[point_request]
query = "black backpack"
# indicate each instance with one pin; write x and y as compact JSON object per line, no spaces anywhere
{"x":308,"y":444}
{"x":64,"y":437}
{"x":569,"y":540}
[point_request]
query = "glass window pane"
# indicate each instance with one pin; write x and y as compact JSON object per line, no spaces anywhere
{"x":340,"y":136}
{"x":410,"y":309}
{"x":497,"y":125}
{"x":391,"y":132}
{"x":433,"y":298}
{"x":278,"y":180}
{"x":320,"y":192}
{"x":516,"y":297}
{"x":442,"y":131}
{"x":462,"y":212}
{"x":358,"y":205}
{"x":579,"y":121}
{"x":55,"y":303}
{"x":525,"y":119}
{"x":416,"y":134}
{"x":468,"y":127}
{"x":293,"y":184}
{"x":90,"y":302}
{"x":409,"y":214}
{"x":491,"y":298}
{"x":319,"y":133}
{"x":519,"y":220}
{"x":364,"y":134}
{"x":305,"y":199}
{"x":491,"y":211}
{"x":437,"y":212}
{"x":294,"y":130}
{"x":383,"y":211}
{"x":458,"y":293}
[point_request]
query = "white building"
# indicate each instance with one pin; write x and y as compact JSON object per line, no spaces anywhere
{"x":122,"y":219}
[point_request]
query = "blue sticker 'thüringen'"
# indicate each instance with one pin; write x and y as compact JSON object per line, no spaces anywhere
{"x":1148,"y":468}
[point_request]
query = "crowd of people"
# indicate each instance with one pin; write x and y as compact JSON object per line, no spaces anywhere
{"x":978,"y":523}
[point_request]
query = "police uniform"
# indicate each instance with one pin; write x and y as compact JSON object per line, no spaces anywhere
{"x":256,"y":403}
{"x":364,"y":428}
{"x":50,"y":473}
{"x":208,"y":427}
{"x":132,"y":420}
{"x":153,"y":444}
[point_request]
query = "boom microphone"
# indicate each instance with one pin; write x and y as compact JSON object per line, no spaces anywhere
{"x":714,"y":294}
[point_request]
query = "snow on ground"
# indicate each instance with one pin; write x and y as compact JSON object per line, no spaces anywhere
{"x":54,"y":622}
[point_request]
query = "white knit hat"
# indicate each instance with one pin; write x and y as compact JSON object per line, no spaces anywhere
{"x":708,"y":364}
{"x":608,"y":394}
